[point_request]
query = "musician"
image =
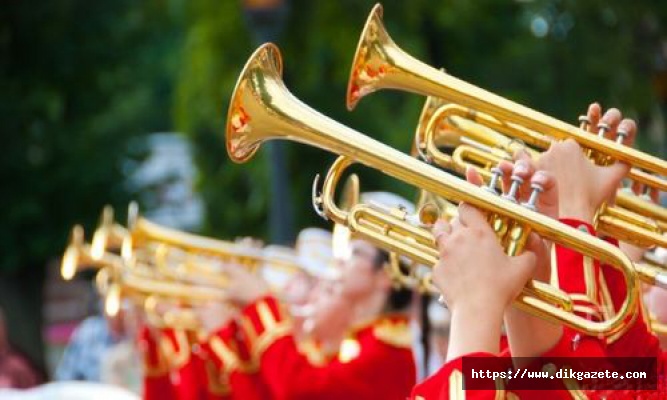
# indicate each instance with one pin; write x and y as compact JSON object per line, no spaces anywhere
{"x":213,"y":363}
{"x":558,"y":161}
{"x":363,"y":317}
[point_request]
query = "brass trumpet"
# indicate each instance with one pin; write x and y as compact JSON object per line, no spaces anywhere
{"x":142,"y":232}
{"x":79,"y":255}
{"x":483,"y":142}
{"x":261,"y":108}
{"x":108,"y":235}
{"x":380,"y":64}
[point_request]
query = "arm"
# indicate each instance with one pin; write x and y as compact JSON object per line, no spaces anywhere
{"x":157,"y":383}
{"x":229,"y":370}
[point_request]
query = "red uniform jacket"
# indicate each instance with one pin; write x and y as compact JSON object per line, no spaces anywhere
{"x":232,"y":374}
{"x":574,"y":275}
{"x":375,"y":361}
{"x":172,"y":370}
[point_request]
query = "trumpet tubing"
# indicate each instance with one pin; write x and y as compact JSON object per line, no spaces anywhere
{"x":261,"y":109}
{"x":380,"y":64}
{"x":615,"y":221}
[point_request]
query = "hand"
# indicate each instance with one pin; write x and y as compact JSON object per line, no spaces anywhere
{"x":473,"y":272}
{"x":214,"y":316}
{"x":244,"y":288}
{"x":584,"y":186}
{"x":547,"y":203}
{"x":477,"y":280}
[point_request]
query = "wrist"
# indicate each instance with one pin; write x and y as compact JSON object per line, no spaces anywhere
{"x":583,"y":213}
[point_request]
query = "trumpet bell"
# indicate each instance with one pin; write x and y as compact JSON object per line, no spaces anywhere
{"x":245,"y":117}
{"x":380,"y":64}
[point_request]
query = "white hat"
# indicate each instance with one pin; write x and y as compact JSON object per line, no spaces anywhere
{"x":272,"y":272}
{"x":315,"y":252}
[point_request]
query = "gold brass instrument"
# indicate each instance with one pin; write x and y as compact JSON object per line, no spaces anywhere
{"x":612,"y":221}
{"x":453,"y":126}
{"x":108,"y":235}
{"x":261,"y":108}
{"x":142,"y":232}
{"x":478,"y":145}
{"x":79,"y":255}
{"x":380,"y":64}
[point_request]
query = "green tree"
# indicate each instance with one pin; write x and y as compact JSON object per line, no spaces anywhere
{"x":81,"y":82}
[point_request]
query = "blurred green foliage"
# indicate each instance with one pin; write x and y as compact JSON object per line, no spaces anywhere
{"x":81,"y":83}
{"x":555,"y":56}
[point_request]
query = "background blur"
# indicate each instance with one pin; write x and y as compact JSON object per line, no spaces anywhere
{"x":108,"y":101}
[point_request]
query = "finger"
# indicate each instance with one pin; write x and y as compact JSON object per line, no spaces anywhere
{"x":547,"y":202}
{"x":626,"y":132}
{"x":655,"y":195}
{"x":440,"y":230}
{"x":522,"y":154}
{"x":637,"y":188}
{"x":610,"y":120}
{"x":473,"y":176}
{"x":456,"y":224}
{"x":594,"y":113}
{"x":615,"y":173}
{"x":524,"y":169}
{"x":471,"y":216}
{"x":523,"y":268}
{"x":506,"y":167}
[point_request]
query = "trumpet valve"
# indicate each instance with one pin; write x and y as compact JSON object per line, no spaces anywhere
{"x":584,"y":122}
{"x":621,"y":134}
{"x":517,"y":181}
{"x":537,"y":189}
{"x":428,"y":214}
{"x":496,"y":173}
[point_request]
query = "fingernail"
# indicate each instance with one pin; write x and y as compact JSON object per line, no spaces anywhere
{"x":521,"y":167}
{"x":540,"y":176}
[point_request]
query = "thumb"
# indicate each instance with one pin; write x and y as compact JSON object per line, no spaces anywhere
{"x":523,"y":268}
{"x":614,"y":174}
{"x":471,"y":216}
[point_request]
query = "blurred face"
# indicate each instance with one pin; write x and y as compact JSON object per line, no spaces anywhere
{"x":330,"y":314}
{"x":298,"y":289}
{"x":359,"y":275}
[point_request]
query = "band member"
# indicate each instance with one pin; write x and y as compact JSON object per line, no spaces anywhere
{"x":364,"y":317}
{"x":525,"y":341}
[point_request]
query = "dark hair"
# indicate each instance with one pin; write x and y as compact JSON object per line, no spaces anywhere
{"x":399,"y":298}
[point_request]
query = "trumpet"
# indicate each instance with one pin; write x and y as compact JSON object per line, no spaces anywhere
{"x":479,"y":143}
{"x":108,"y":235}
{"x":380,"y":64}
{"x":79,"y":255}
{"x":138,"y":281}
{"x":261,"y":108}
{"x":142,"y":232}
{"x":615,"y":221}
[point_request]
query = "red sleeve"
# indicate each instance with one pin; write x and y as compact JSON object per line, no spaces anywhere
{"x":230,"y":372}
{"x":447,"y":383}
{"x":603,"y":285}
{"x":157,"y":383}
{"x":578,"y":275}
{"x":638,"y":341}
{"x":367,"y":368}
